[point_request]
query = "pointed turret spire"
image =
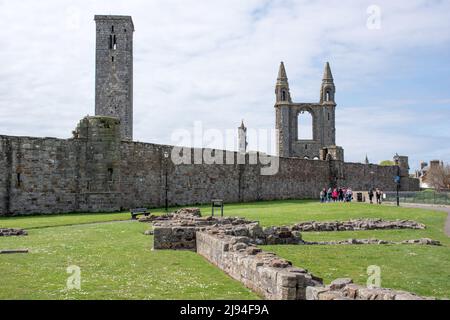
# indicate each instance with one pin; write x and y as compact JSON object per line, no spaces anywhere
{"x":282,"y":73}
{"x":328,"y":90}
{"x":282,"y":87}
{"x":367,"y":160}
{"x":243,"y":125}
{"x":327,"y":75}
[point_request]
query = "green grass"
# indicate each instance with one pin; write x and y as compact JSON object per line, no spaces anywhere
{"x":45,"y":221}
{"x":117,"y":263}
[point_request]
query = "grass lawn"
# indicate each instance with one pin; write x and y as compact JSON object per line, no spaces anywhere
{"x":117,"y":263}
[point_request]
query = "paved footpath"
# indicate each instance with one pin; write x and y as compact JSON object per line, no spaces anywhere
{"x":432,"y":207}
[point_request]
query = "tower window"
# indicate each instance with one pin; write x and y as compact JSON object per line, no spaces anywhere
{"x":328,"y":96}
{"x":112,"y":29}
{"x":328,"y":117}
{"x":110,"y":42}
{"x":305,"y":126}
{"x":19,"y":180}
{"x":112,"y":58}
{"x":110,"y":174}
{"x":115,"y":43}
{"x":283,"y":95}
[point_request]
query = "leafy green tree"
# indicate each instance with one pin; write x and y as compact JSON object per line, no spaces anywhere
{"x":387,"y":163}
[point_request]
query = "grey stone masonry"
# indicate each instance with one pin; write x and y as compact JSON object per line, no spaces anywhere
{"x":323,"y":143}
{"x":12,"y":232}
{"x":114,"y":70}
{"x":266,"y":274}
{"x":357,"y":224}
{"x":344,"y":289}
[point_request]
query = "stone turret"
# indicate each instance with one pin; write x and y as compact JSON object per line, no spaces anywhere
{"x":328,"y":89}
{"x":242,"y":133}
{"x":282,"y":87}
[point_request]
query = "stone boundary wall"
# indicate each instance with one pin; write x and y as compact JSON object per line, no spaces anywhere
{"x":96,"y":172}
{"x":266,"y":274}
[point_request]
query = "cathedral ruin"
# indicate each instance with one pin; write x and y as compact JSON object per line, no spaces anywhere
{"x":101,"y":169}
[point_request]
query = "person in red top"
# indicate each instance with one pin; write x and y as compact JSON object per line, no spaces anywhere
{"x":335,"y":195}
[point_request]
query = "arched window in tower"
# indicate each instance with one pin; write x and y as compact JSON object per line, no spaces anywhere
{"x":283,"y":95}
{"x":305,"y":126}
{"x":115,"y":43}
{"x":328,"y":96}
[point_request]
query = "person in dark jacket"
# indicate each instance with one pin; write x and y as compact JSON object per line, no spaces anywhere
{"x":371,"y":196}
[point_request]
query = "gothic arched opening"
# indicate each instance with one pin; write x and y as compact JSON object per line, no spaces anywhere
{"x":305,"y":126}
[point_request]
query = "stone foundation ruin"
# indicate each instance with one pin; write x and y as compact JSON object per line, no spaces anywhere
{"x":12,"y":232}
{"x":357,"y":225}
{"x":231,"y":244}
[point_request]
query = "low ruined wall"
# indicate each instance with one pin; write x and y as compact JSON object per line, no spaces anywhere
{"x":344,"y":289}
{"x":266,"y":274}
{"x":356,"y":225}
{"x":231,"y":245}
{"x":12,"y":232}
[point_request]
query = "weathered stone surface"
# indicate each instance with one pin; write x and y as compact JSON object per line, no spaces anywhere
{"x":189,"y":212}
{"x":340,"y":283}
{"x":424,"y":241}
{"x":281,"y":235}
{"x":114,"y":70}
{"x":265,"y":273}
{"x":174,"y":238}
{"x":344,"y":289}
{"x":4,"y":232}
{"x":357,"y":224}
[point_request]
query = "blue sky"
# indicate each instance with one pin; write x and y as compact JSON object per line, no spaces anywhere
{"x":217,"y":61}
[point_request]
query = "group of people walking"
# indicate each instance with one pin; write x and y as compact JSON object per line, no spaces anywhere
{"x":377,"y":193}
{"x":336,"y":195}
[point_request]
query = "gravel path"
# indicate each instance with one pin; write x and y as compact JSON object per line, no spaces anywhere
{"x":432,"y":207}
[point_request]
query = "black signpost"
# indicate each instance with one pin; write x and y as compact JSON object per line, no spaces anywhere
{"x":217,"y":203}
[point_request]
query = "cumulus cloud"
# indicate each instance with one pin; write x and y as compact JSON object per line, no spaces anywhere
{"x":216,"y":62}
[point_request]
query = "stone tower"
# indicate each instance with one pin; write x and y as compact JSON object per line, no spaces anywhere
{"x":323,"y":143}
{"x":114,"y":71}
{"x":242,"y":138}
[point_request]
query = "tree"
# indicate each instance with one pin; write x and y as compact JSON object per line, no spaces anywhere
{"x":438,"y":177}
{"x":387,"y":163}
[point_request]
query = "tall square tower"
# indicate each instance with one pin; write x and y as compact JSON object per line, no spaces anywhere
{"x":114,"y":71}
